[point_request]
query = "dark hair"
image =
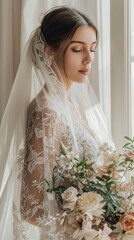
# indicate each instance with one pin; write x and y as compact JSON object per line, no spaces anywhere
{"x":60,"y":23}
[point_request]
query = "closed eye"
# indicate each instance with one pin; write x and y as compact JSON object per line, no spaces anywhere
{"x":81,"y":49}
{"x":77,"y":50}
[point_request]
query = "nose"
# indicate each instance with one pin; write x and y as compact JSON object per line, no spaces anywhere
{"x":88,"y":58}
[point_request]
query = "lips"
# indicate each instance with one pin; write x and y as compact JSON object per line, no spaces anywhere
{"x":84,"y":71}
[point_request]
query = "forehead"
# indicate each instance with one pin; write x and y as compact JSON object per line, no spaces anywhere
{"x":85,"y":34}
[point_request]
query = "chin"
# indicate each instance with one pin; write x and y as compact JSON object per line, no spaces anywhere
{"x":84,"y":79}
{"x":79,"y":79}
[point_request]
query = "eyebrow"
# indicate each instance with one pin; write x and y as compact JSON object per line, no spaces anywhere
{"x":82,"y":42}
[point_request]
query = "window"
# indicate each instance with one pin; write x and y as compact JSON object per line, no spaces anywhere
{"x":121,"y":83}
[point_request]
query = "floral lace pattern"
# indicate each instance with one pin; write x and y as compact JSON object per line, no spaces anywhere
{"x":37,"y":206}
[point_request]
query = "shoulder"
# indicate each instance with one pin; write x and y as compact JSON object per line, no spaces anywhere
{"x":42,"y":110}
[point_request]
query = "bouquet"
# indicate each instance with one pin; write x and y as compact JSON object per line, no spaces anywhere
{"x":96,"y":199}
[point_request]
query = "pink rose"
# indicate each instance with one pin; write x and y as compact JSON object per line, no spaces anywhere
{"x":127,"y":222}
{"x":129,"y":154}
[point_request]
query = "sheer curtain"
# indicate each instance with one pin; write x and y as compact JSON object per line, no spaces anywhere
{"x":10,"y":21}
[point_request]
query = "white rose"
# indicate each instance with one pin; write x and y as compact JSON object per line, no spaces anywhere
{"x":91,"y":204}
{"x":70,"y":195}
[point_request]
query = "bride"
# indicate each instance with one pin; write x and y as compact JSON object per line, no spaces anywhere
{"x":51,"y":101}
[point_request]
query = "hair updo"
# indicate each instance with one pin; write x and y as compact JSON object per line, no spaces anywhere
{"x":60,"y":23}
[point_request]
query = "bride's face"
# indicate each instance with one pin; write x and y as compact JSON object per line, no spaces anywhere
{"x":78,"y":58}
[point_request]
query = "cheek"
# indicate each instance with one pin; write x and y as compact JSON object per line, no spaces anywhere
{"x":71,"y":70}
{"x":71,"y":64}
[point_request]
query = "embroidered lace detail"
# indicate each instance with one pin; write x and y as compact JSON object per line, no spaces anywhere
{"x":45,"y":126}
{"x":41,"y":60}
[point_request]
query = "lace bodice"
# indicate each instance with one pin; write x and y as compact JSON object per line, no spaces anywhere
{"x":45,"y":130}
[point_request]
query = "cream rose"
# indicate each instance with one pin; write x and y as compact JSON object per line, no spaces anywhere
{"x":91,"y":203}
{"x":70,"y":195}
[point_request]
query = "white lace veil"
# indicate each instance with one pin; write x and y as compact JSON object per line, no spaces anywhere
{"x":37,"y":112}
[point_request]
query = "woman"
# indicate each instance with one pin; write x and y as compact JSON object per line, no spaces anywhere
{"x":53,"y":100}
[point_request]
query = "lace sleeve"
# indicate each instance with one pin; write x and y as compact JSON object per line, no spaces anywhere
{"x":43,"y":137}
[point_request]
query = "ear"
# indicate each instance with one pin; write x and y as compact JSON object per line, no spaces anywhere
{"x":49,"y":52}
